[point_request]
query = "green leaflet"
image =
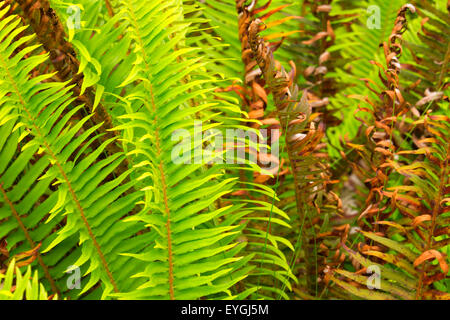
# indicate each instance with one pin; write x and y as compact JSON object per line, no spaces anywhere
{"x":26,"y":285}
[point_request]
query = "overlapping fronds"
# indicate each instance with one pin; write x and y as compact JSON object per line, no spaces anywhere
{"x":319,"y":56}
{"x":406,"y":218}
{"x":377,"y":142}
{"x":16,"y":286}
{"x":427,"y":75}
{"x":264,"y":224}
{"x":366,"y":25}
{"x":158,"y":149}
{"x":45,"y":199}
{"x":302,"y":138}
{"x":72,"y":61}
{"x":194,"y":252}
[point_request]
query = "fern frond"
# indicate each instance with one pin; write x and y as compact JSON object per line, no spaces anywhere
{"x":187,"y":260}
{"x":399,"y":212}
{"x":430,"y":50}
{"x":36,"y":121}
{"x":254,"y":101}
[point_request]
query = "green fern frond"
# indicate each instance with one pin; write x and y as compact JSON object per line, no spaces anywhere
{"x":37,"y":121}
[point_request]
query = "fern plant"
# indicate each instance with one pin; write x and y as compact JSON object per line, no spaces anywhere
{"x":114,"y":170}
{"x":23,"y":287}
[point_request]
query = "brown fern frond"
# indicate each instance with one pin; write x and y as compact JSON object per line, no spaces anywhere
{"x":428,"y":73}
{"x":303,"y":140}
{"x":398,"y":247}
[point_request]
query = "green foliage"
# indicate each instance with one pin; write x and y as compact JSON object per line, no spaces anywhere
{"x":17,"y":286}
{"x":97,"y":99}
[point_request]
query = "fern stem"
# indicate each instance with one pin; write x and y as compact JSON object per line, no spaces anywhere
{"x":300,"y":202}
{"x":169,"y":235}
{"x":440,"y":194}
